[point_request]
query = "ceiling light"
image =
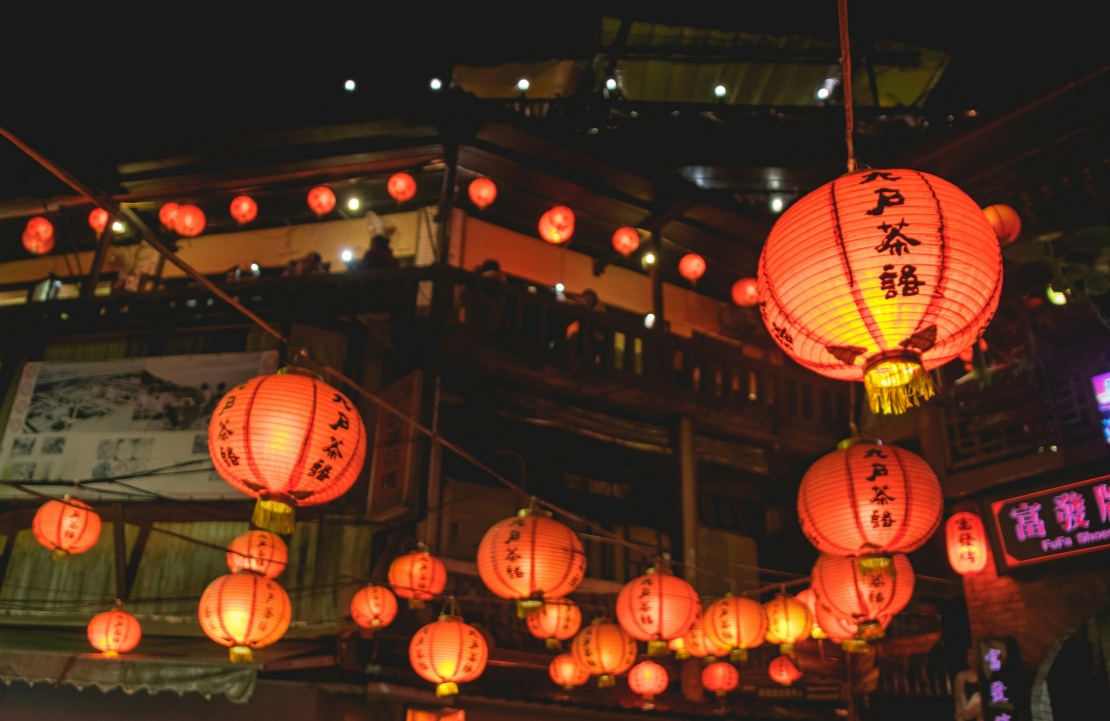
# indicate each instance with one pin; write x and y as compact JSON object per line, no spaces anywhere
{"x":649,"y":320}
{"x":823,"y":94}
{"x":649,"y":258}
{"x":435,"y":84}
{"x":611,"y":84}
{"x":347,"y":256}
{"x":522,"y":84}
{"x":719,"y":91}
{"x":349,"y":86}
{"x":254,"y":267}
{"x":118,"y":227}
{"x":353,"y":204}
{"x":776,"y":204}
{"x":559,"y":287}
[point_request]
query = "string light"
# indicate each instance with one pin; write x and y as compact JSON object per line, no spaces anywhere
{"x":349,"y":86}
{"x":435,"y":84}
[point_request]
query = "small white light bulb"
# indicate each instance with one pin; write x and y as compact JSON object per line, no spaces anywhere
{"x":823,"y":94}
{"x":1056,"y":297}
{"x":353,"y":203}
{"x":719,"y":91}
{"x":435,"y":84}
{"x":776,"y":205}
{"x":254,"y":267}
{"x":523,"y":85}
{"x":611,"y":84}
{"x":649,"y":320}
{"x":559,"y":287}
{"x":349,"y":86}
{"x":649,"y":258}
{"x":117,"y":227}
{"x":347,"y":256}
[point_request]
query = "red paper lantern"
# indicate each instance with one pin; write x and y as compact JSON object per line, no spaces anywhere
{"x":244,"y":209}
{"x":567,"y":672}
{"x":286,"y":439}
{"x":38,"y":236}
{"x":114,"y":632}
{"x":866,"y":498}
{"x":789,"y":621}
{"x":373,"y":607}
{"x":98,"y":220}
{"x":782,"y":670}
{"x":482,"y":192}
{"x":691,"y":267}
{"x":555,"y":621}
{"x":878,"y":277}
{"x":448,"y":652}
{"x":557,"y":224}
{"x":167,"y":215}
{"x":605,"y":650}
{"x":809,"y":598}
{"x":745,"y":292}
{"x":190,"y":221}
{"x":401,"y":187}
{"x":658,"y":607}
{"x":66,"y":526}
{"x":626,"y":240}
{"x":418,"y":576}
{"x":967,"y":543}
{"x":259,"y":552}
{"x":648,"y":679}
{"x":321,"y":200}
{"x":244,"y":611}
{"x":736,"y":623}
{"x":866,"y":591}
{"x":720,"y":678}
{"x":1005,"y":221}
{"x":697,"y":644}
{"x":531,"y":557}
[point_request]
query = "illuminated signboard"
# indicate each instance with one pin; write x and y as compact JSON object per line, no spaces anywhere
{"x":1000,"y":680}
{"x":1050,"y":524}
{"x":1102,"y":394}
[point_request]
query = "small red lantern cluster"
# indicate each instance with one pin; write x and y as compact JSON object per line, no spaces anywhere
{"x":98,"y":220}
{"x":482,"y":192}
{"x":626,"y":240}
{"x":186,"y":220}
{"x":244,"y":209}
{"x":38,"y":236}
{"x":691,"y":267}
{"x":401,"y":187}
{"x":321,"y":200}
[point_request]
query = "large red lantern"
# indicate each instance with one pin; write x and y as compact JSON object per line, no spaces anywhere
{"x":555,"y":621}
{"x":866,"y":498}
{"x":259,"y":552}
{"x":867,"y":591}
{"x":736,"y":623}
{"x":567,"y":672}
{"x":321,"y":200}
{"x":98,"y":220}
{"x":720,"y":678}
{"x":38,"y":236}
{"x":482,"y":192}
{"x":114,"y":632}
{"x":418,"y":576}
{"x":745,"y":292}
{"x":626,"y":240}
{"x":190,"y":221}
{"x":880,"y":276}
{"x":373,"y":607}
{"x":244,"y":611}
{"x":605,"y":650}
{"x":658,"y":607}
{"x":557,"y":224}
{"x":65,"y":527}
{"x":967,"y":543}
{"x":401,"y":187}
{"x":809,"y":598}
{"x":448,"y":652}
{"x":1005,"y":221}
{"x":789,"y":621}
{"x":648,"y":679}
{"x":167,"y":215}
{"x":782,"y":670}
{"x":529,"y":558}
{"x":691,"y":267}
{"x":286,"y":439}
{"x":244,"y":209}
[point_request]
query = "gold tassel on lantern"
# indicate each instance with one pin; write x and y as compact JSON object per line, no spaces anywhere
{"x":240,"y":654}
{"x":897,"y":382}
{"x":738,"y":654}
{"x":657,"y":648}
{"x":273,"y":515}
{"x":605,"y":681}
{"x":449,"y":688}
{"x":554,"y":644}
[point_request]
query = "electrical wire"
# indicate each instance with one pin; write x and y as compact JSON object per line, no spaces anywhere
{"x":846,"y":80}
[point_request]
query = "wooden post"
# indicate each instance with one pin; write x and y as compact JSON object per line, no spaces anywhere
{"x":88,"y":288}
{"x":119,"y":542}
{"x":432,"y":520}
{"x":657,"y":282}
{"x":688,"y":469}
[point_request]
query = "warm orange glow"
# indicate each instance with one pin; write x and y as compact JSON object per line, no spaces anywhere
{"x":865,"y":591}
{"x":190,"y":221}
{"x":691,"y":267}
{"x":557,"y":224}
{"x":555,"y":621}
{"x":697,"y":644}
{"x":530,"y":557}
{"x":736,"y":623}
{"x":418,"y":576}
{"x":720,"y":678}
{"x":648,"y":679}
{"x":167,"y":215}
{"x":788,"y":621}
{"x":98,"y":220}
{"x":38,"y":236}
{"x":745,"y":292}
{"x":1005,"y":221}
{"x":604,"y":649}
{"x":244,"y":611}
{"x":401,"y":187}
{"x":866,"y":498}
{"x":626,"y":240}
{"x":259,"y":552}
{"x":657,"y":607}
{"x":967,"y":543}
{"x":782,"y":670}
{"x":809,"y":598}
{"x":114,"y":632}
{"x":415,"y":714}
{"x":448,"y":652}
{"x":244,"y":209}
{"x":373,"y":607}
{"x":66,"y":526}
{"x":321,"y":200}
{"x":567,"y":672}
{"x":483,"y":192}
{"x":880,"y":265}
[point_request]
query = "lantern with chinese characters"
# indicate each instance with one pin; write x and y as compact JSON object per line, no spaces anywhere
{"x":401,"y":187}
{"x":745,"y":292}
{"x":244,"y":611}
{"x":691,"y":267}
{"x":482,"y":192}
{"x":259,"y":552}
{"x":605,"y":650}
{"x":114,"y":632}
{"x":98,"y":220}
{"x":658,"y":607}
{"x":529,"y":558}
{"x":697,"y":644}
{"x":809,"y":598}
{"x":880,"y":276}
{"x":167,"y":215}
{"x":557,"y":224}
{"x":65,"y":527}
{"x":735,"y":623}
{"x":720,"y":678}
{"x":626,"y":240}
{"x":418,"y":576}
{"x":286,"y":439}
{"x":555,"y":621}
{"x":1005,"y":221}
{"x":321,"y":200}
{"x":373,"y":607}
{"x":244,"y":209}
{"x":842,"y":630}
{"x":782,"y":670}
{"x":448,"y":652}
{"x":866,"y":591}
{"x":38,"y":236}
{"x":788,"y":622}
{"x":648,"y":679}
{"x":866,"y":498}
{"x":190,"y":221}
{"x":567,"y":672}
{"x":967,"y":543}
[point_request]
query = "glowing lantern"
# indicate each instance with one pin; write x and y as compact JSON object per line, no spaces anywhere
{"x":190,"y":221}
{"x":418,"y":576}
{"x":529,"y":558}
{"x":782,"y":670}
{"x":745,"y":292}
{"x":735,"y":623}
{"x":1005,"y":221}
{"x":98,"y":220}
{"x":167,"y":215}
{"x":557,"y":224}
{"x":555,"y":621}
{"x":114,"y":632}
{"x":38,"y":236}
{"x":626,"y":240}
{"x":66,"y":526}
{"x":259,"y":552}
{"x":648,"y":679}
{"x":697,"y":644}
{"x":678,"y":645}
{"x":321,"y":200}
{"x":691,"y":267}
{"x":401,"y":187}
{"x":720,"y":678}
{"x":867,"y":591}
{"x":567,"y":672}
{"x":373,"y":607}
{"x":967,"y":543}
{"x":878,"y":277}
{"x":448,"y":652}
{"x":286,"y":439}
{"x":842,"y":630}
{"x":482,"y":192}
{"x":809,"y":598}
{"x":244,"y":209}
{"x":658,"y":607}
{"x":604,"y":649}
{"x":244,"y":611}
{"x":788,"y":622}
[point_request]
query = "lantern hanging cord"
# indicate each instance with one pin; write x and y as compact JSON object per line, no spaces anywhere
{"x":846,"y":81}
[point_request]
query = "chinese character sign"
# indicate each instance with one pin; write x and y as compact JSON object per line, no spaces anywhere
{"x":1000,"y":679}
{"x":394,"y":460}
{"x":967,"y":543}
{"x":1102,"y":395}
{"x":1060,"y":522}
